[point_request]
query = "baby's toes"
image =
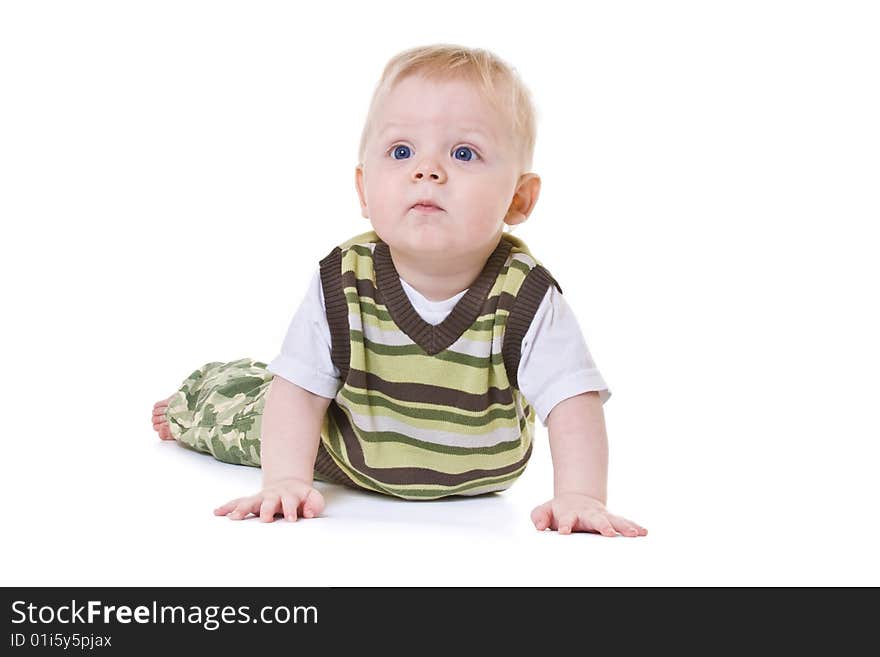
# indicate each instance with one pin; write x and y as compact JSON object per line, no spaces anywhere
{"x":162,"y":404}
{"x":158,"y":422}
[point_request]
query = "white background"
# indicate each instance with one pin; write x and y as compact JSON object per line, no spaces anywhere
{"x":709,"y":205}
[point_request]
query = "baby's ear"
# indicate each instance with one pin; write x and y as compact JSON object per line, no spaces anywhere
{"x":359,"y":185}
{"x":524,"y":199}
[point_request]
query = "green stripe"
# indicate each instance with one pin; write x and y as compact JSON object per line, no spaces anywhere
{"x":443,"y":491}
{"x":363,"y":251}
{"x":481,"y":331}
{"x":516,"y":264}
{"x":451,"y":450}
{"x":418,"y":421}
{"x":369,"y":401}
{"x":447,"y":355}
{"x":366,"y":306}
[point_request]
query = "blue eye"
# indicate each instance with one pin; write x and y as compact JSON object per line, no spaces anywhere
{"x":401,"y":150}
{"x":468,"y":153}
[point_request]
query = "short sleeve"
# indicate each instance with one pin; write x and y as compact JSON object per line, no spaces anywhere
{"x":304,"y":358}
{"x":555,"y":362}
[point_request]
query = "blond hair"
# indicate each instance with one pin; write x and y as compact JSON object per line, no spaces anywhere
{"x":496,"y":79}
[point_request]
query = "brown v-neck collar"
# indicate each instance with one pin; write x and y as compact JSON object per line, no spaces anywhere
{"x":434,"y":339}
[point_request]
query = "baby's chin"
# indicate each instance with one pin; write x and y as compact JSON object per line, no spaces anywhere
{"x":434,"y":237}
{"x":435,"y":249}
{"x":427,"y":245}
{"x":418,"y":234}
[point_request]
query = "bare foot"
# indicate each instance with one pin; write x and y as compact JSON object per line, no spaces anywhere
{"x":160,"y":423}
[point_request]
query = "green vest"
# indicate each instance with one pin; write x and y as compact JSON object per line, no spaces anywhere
{"x":427,"y":411}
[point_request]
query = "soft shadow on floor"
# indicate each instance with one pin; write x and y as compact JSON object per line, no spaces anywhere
{"x":491,"y":512}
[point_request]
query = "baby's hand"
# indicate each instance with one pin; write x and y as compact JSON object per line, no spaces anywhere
{"x":571,"y":512}
{"x":285,"y":496}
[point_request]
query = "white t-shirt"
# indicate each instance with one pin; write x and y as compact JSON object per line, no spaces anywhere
{"x":555,"y":363}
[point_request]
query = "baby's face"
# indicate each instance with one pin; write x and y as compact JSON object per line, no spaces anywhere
{"x":442,"y":143}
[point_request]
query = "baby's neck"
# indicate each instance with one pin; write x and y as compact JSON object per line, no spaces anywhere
{"x":438,"y":280}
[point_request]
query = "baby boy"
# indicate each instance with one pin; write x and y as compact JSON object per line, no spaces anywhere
{"x":424,"y":348}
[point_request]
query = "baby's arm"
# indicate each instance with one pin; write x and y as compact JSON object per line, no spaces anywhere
{"x":579,"y":447}
{"x":291,"y":431}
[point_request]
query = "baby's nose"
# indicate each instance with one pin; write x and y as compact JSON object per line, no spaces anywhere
{"x":430,"y":171}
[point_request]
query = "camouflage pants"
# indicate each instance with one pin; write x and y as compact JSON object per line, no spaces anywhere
{"x":219,"y":410}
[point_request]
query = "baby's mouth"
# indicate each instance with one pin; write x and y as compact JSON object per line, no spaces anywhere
{"x":426,"y":208}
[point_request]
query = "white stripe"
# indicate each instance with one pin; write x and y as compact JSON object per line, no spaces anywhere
{"x":354,"y":321}
{"x":434,"y":436}
{"x":524,"y":258}
{"x":463,"y":345}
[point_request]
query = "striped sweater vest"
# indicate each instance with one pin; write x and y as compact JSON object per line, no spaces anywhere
{"x":427,"y":411}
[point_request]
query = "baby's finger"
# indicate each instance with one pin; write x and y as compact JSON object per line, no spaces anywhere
{"x":245,"y":506}
{"x":223,"y":509}
{"x":542,"y":516}
{"x":641,"y":530}
{"x":268,"y":507}
{"x":625,"y":527}
{"x":313,"y":504}
{"x":289,"y":503}
{"x":600,"y":523}
{"x":567,"y":521}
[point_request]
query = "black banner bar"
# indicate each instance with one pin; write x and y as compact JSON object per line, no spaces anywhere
{"x":66,"y":620}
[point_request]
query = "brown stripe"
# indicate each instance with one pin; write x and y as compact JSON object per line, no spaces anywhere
{"x":424,"y":393}
{"x":327,"y":468}
{"x":336,"y":309}
{"x":434,"y":339}
{"x":407,"y":475}
{"x":364,"y":286}
{"x":529,"y":297}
